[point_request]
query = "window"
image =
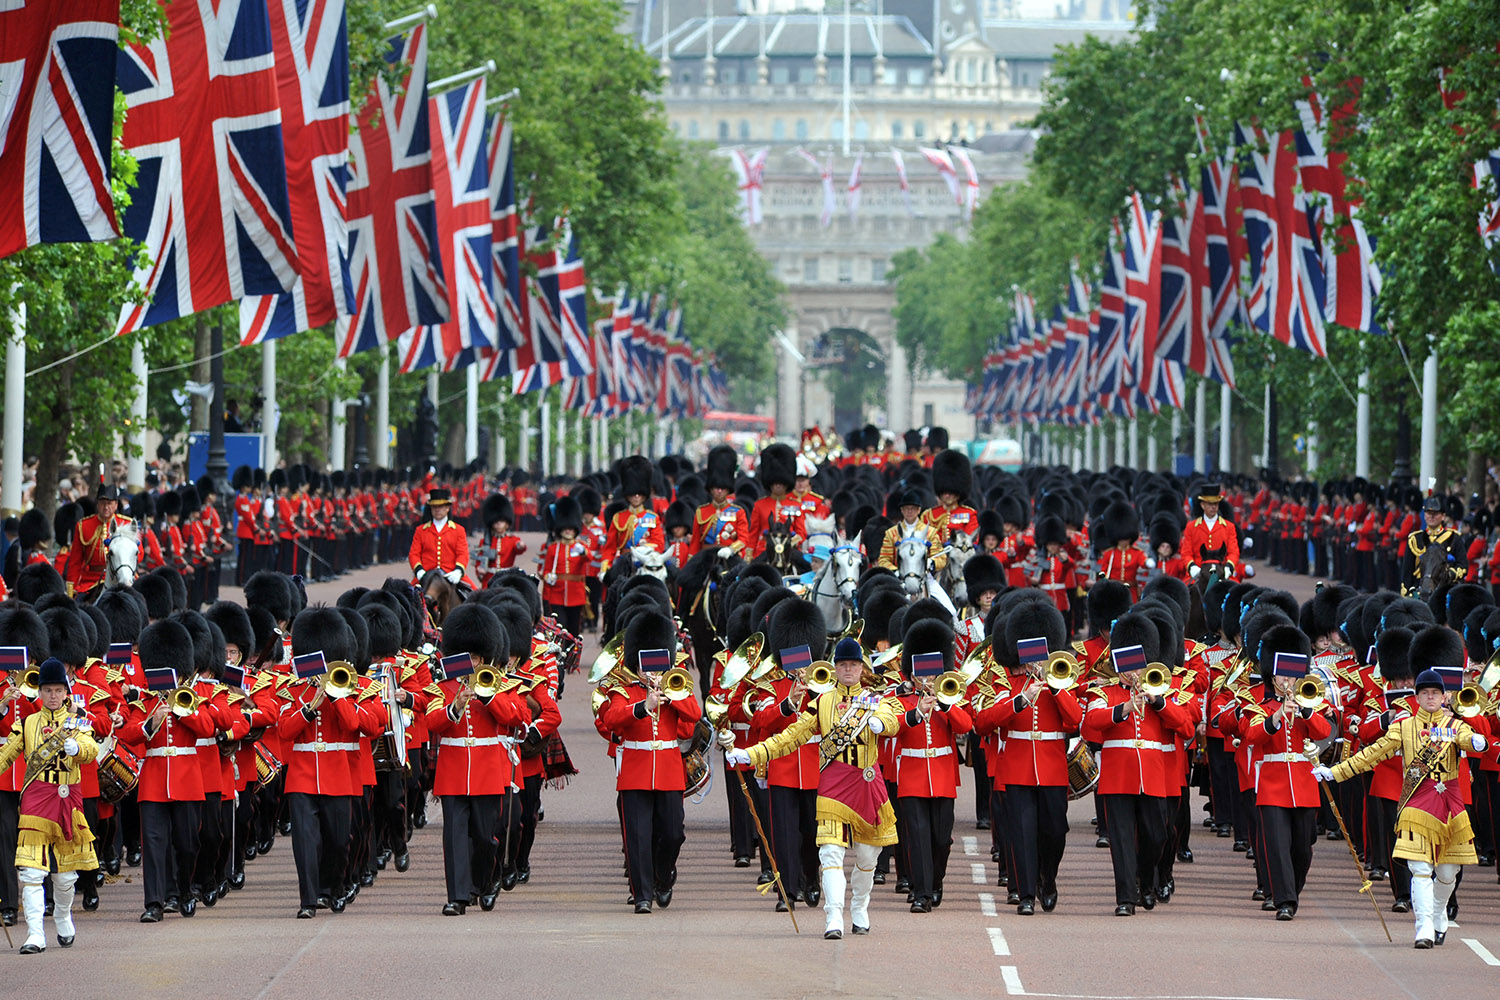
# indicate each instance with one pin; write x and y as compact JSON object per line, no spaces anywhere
{"x":836,"y":130}
{"x":861,"y":129}
{"x":896,"y":129}
{"x":692,"y":130}
{"x":877,"y":270}
{"x":1025,"y":79}
{"x":891,"y":77}
{"x":846,"y":270}
{"x":916,"y":76}
{"x":969,"y":70}
{"x":807,"y":74}
{"x":989,"y":128}
{"x":744,"y":128}
{"x":686,"y":77}
{"x":781,"y":74}
{"x":778,"y":129}
{"x":927,"y":415}
{"x":801,"y":129}
{"x":918,"y":129}
{"x":984,"y":71}
{"x":723,"y":130}
{"x":729,"y":75}
{"x":810,"y":270}
{"x":970,"y":132}
{"x":862,"y":75}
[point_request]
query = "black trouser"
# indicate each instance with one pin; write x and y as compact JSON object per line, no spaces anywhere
{"x":416,"y":790}
{"x":361,"y":836}
{"x":794,"y":835}
{"x":287,"y":556}
{"x":763,"y":810}
{"x":1178,"y":825}
{"x":999,"y":818}
{"x":245,"y":809}
{"x":741,"y":826}
{"x":169,"y":842}
{"x":1137,"y":829}
{"x":10,"y":821}
{"x":653,"y":838}
{"x":896,"y":851}
{"x":389,"y":808}
{"x":320,"y":842}
{"x":1380,"y":834}
{"x":1286,"y":836}
{"x":929,"y":833}
{"x":1483,"y":784}
{"x":530,"y":801}
{"x":268,"y":807}
{"x":128,"y":815}
{"x":246,"y":566}
{"x":1038,"y":829}
{"x":1252,"y":814}
{"x":1223,"y":783}
{"x":981,"y":762}
{"x":229,"y":845}
{"x":569,"y":617}
{"x":211,"y":836}
{"x":469,"y":843}
{"x":1352,"y":806}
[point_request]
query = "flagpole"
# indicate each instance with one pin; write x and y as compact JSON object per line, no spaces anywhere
{"x":509,"y":95}
{"x":1152,"y":455}
{"x":561,"y":467}
{"x":471,"y":413}
{"x":846,"y":78}
{"x":546,"y":426}
{"x":339,"y":423}
{"x":1200,"y":428}
{"x":427,"y":13}
{"x":1362,"y":428}
{"x":14,"y":461}
{"x":459,"y":79}
{"x":270,"y":415}
{"x":523,"y":446}
{"x":1225,"y":412}
{"x":1429,"y":419}
{"x":383,"y":410}
{"x":135,"y":465}
{"x":501,"y":438}
{"x":1135,"y":442}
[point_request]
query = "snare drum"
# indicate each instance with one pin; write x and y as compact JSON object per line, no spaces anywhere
{"x":1083,"y":769}
{"x":119,"y":771}
{"x":266,"y":765}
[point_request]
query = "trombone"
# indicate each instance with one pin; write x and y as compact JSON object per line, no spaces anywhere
{"x":820,"y":677}
{"x":30,"y":684}
{"x":340,"y":681}
{"x":676,"y":684}
{"x":486,"y":682}
{"x":1469,"y":701}
{"x":1311,"y":692}
{"x":1061,"y":671}
{"x":947,"y":687}
{"x":1156,"y":681}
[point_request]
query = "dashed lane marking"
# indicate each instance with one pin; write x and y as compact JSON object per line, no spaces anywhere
{"x":1484,"y":953}
{"x":997,"y":941}
{"x":971,"y":846}
{"x":1012,"y":980}
{"x":986,"y":904}
{"x":976,"y":872}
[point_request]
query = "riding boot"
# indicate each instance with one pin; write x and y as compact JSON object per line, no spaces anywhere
{"x":34,"y":907}
{"x":831,"y":859}
{"x":1442,"y":891}
{"x":63,"y":886}
{"x":1422,"y":900}
{"x":863,"y":882}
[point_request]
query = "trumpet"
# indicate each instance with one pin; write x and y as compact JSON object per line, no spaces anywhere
{"x":486,"y":682}
{"x":820,"y":677}
{"x":1156,"y":682}
{"x":340,"y":681}
{"x":676,"y":684}
{"x":1311,"y":692}
{"x":1469,"y":701}
{"x":1061,"y":671}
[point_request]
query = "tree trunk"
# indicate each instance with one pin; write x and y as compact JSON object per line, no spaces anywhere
{"x":201,"y":371}
{"x":1474,"y":470}
{"x":54,"y":449}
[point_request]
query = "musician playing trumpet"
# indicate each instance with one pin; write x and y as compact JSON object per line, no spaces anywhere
{"x":1433,"y":832}
{"x":54,"y":835}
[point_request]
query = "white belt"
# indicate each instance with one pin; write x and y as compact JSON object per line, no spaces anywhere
{"x":926,"y":751}
{"x":318,"y":747}
{"x":814,"y":739}
{"x":471,"y":741}
{"x":1026,"y":734}
{"x":1052,"y":586}
{"x":740,"y":727}
{"x":172,"y":751}
{"x":650,"y":744}
{"x":206,"y":743}
{"x":1138,"y":745}
{"x":1283,"y":758}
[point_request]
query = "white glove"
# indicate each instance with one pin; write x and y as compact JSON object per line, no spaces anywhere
{"x":1352,"y":529}
{"x":739,"y":757}
{"x":1249,"y":544}
{"x":1479,"y":743}
{"x":70,"y":747}
{"x":877,"y":727}
{"x":726,"y":739}
{"x":1150,"y":563}
{"x":1195,"y":571}
{"x":551,"y":579}
{"x":1322,"y":773}
{"x":453,"y":575}
{"x":725,"y":552}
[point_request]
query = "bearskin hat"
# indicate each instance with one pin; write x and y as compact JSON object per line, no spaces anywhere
{"x":37,"y":580}
{"x":158,"y":594}
{"x":234,"y":623}
{"x":763,"y":605}
{"x":778,"y":464}
{"x":983,"y":572}
{"x":1119,"y":522}
{"x":143,"y":507}
{"x":169,"y":504}
{"x":66,"y":636}
{"x":524,"y":586}
{"x":1165,"y":530}
{"x":913,"y":441}
{"x":1173,"y":590}
{"x":1136,"y":629}
{"x":877,"y":610}
{"x":678,"y":515}
{"x":203,"y":642}
{"x":796,"y":622}
{"x":243,"y":478}
{"x":1434,"y":646}
{"x":1393,"y":654}
{"x":383,"y":628}
{"x":1168,"y":630}
{"x":516,"y":624}
{"x":124,"y":615}
{"x":1407,"y":611}
{"x":1107,"y":600}
{"x":1012,"y":510}
{"x":1255,"y":625}
{"x":1030,"y":620}
{"x":474,"y":629}
{"x":937,"y":438}
{"x":1279,"y":639}
{"x":175,"y":584}
{"x":34,"y":530}
{"x":1325,"y":608}
{"x":167,"y":644}
{"x":926,"y":635}
{"x":1473,"y":632}
{"x":723,"y":466}
{"x":321,"y":629}
{"x":497,"y":507}
{"x":361,"y":633}
{"x":64,"y":521}
{"x":1278,"y":599}
{"x":635,"y":476}
{"x":952,"y":473}
{"x":648,"y":630}
{"x":1463,"y":598}
{"x":1049,"y":530}
{"x":1213,"y":606}
{"x":566,"y":515}
{"x":191,"y":501}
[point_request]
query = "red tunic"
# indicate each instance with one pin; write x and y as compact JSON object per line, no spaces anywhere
{"x":564,"y":569}
{"x":471,"y":759}
{"x":926,"y":759}
{"x":443,"y":550}
{"x":648,"y":758}
{"x":1136,"y":748}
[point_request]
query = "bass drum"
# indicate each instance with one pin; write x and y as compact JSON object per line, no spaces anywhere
{"x":1083,"y":769}
{"x":695,"y":758}
{"x":119,"y":771}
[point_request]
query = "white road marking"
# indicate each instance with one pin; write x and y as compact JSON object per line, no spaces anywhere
{"x":986,"y":904}
{"x":976,"y":872}
{"x":1012,"y":980}
{"x":971,"y":846}
{"x":997,"y":941}
{"x":1483,"y":952}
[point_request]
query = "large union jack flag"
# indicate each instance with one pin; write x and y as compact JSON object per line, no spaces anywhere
{"x":461,"y":181}
{"x":57,"y":90}
{"x":1113,"y":383}
{"x":204,"y":124}
{"x":1487,"y":180}
{"x":394,"y":256}
{"x":312,"y":71}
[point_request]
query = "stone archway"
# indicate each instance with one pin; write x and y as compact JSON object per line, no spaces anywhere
{"x":850,"y":367}
{"x":838,"y":327}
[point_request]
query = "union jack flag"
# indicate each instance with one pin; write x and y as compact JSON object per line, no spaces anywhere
{"x":56,"y":112}
{"x":394,"y":255}
{"x":1110,"y":332}
{"x":204,"y":123}
{"x":1142,"y":297}
{"x":312,"y":73}
{"x":1487,"y":179}
{"x":749,"y":169}
{"x":1076,"y":356}
{"x":461,"y":184}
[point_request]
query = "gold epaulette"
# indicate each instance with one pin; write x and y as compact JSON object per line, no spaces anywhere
{"x":99,"y":695}
{"x":1184,"y":696}
{"x":1080,"y":647}
{"x":1198,"y":649}
{"x":235,"y":697}
{"x":433,"y":689}
{"x":1255,"y":711}
{"x":370,"y":690}
{"x":262,"y":680}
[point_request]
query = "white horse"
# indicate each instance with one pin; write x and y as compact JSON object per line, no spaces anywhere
{"x":124,"y":557}
{"x":832,"y":588}
{"x":821,"y":531}
{"x":913,"y":553}
{"x":960,"y":550}
{"x":649,"y":562}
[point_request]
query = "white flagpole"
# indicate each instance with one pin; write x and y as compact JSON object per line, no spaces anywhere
{"x":1430,"y":420}
{"x":1362,"y":428}
{"x":340,"y":424}
{"x":383,"y":410}
{"x":1200,"y":428}
{"x":135,"y":466}
{"x":471,"y":413}
{"x":14,"y":467}
{"x":1224,"y":416}
{"x":270,"y":415}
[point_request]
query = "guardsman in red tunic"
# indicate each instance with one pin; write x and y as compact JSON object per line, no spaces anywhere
{"x":638,"y":524}
{"x":534,"y":667}
{"x":778,"y":475}
{"x":246,"y":515}
{"x":927,"y":761}
{"x":650,"y":775}
{"x":498,"y":548}
{"x":1116,"y":533}
{"x":1034,"y":720}
{"x":1210,"y":538}
{"x":564,"y":566}
{"x":88,"y":552}
{"x":440,"y":544}
{"x":720,"y":524}
{"x":952,"y":481}
{"x":1050,"y":567}
{"x":170,"y":791}
{"x":813,"y":505}
{"x":1135,"y":730}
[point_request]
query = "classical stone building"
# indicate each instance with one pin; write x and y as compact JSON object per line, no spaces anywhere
{"x":771,"y":75}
